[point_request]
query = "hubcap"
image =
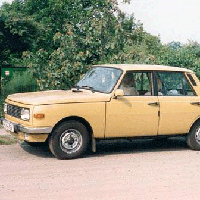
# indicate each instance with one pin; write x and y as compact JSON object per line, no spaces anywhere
{"x":71,"y":141}
{"x":197,"y":135}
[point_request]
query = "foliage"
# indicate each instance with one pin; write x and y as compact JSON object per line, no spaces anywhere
{"x":56,"y":39}
{"x":20,"y":82}
{"x":15,"y":29}
{"x":77,"y":34}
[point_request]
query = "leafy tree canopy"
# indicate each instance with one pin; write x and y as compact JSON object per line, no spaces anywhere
{"x":56,"y":39}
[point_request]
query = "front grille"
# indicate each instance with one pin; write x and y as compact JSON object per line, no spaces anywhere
{"x":14,"y":111}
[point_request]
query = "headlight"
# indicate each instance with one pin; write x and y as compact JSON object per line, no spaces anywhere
{"x":25,"y":114}
{"x":5,"y":108}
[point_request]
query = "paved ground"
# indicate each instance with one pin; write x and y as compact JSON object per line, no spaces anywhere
{"x":141,"y":170}
{"x":3,"y":132}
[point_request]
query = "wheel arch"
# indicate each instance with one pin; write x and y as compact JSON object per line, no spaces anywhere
{"x":195,"y":122}
{"x":78,"y":119}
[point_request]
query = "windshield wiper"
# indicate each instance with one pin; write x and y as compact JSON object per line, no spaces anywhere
{"x":77,"y":89}
{"x":87,"y":88}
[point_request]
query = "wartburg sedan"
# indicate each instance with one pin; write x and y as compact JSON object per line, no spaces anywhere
{"x":110,"y":101}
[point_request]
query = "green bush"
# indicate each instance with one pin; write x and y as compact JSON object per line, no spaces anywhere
{"x":19,"y":83}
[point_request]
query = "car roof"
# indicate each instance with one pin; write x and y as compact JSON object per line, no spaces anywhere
{"x":142,"y":67}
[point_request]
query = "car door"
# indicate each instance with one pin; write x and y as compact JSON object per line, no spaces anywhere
{"x":178,"y":103}
{"x":135,"y":113}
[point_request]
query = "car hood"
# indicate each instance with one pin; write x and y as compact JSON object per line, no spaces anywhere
{"x":58,"y":97}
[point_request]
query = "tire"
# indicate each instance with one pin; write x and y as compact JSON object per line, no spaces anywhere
{"x":193,"y":138}
{"x":69,"y":140}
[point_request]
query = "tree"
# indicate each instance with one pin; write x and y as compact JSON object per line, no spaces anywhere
{"x":72,"y":34}
{"x":56,"y":39}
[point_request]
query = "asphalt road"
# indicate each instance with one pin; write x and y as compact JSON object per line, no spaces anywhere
{"x":125,"y":170}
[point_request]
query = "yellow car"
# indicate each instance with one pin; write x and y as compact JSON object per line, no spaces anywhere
{"x":110,"y":101}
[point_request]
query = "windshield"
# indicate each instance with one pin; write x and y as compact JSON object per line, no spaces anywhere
{"x":102,"y":79}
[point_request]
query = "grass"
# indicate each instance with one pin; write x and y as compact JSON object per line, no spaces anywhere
{"x":7,"y":139}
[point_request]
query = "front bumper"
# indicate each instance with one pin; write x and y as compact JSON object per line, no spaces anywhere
{"x":31,"y":134}
{"x":19,"y":128}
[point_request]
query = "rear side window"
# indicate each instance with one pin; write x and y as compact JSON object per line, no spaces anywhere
{"x":173,"y":84}
{"x":192,"y":80}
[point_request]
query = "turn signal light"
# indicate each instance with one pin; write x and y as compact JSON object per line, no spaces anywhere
{"x":39,"y":116}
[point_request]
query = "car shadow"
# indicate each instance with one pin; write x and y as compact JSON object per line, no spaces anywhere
{"x":141,"y":145}
{"x":39,"y":149}
{"x":122,"y":146}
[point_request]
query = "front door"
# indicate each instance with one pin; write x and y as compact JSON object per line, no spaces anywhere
{"x":136,"y":113}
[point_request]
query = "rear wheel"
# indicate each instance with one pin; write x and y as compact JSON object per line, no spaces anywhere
{"x":69,"y":140}
{"x":193,"y":138}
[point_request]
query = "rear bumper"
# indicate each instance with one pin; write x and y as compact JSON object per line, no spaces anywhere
{"x":23,"y":129}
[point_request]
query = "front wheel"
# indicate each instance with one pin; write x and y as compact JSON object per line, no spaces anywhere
{"x":193,"y":138}
{"x":69,"y":140}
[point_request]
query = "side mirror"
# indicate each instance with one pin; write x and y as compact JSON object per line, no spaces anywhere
{"x":118,"y":93}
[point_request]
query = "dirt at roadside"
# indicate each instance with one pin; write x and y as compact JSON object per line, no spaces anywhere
{"x":6,"y":138}
{"x":3,"y":132}
{"x":125,"y":170}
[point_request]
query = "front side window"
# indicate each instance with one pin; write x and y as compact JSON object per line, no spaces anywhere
{"x":173,"y":84}
{"x":137,"y":83}
{"x":101,"y":79}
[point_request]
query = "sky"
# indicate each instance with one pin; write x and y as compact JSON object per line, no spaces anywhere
{"x":172,"y":20}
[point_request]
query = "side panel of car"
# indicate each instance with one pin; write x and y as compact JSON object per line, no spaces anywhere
{"x":135,"y":113}
{"x":130,"y":116}
{"x":93,"y":113}
{"x":177,"y":114}
{"x":179,"y":101}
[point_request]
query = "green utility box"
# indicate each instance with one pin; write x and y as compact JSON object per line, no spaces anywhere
{"x":8,"y":71}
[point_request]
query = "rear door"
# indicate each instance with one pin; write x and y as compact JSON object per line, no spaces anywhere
{"x":178,"y":103}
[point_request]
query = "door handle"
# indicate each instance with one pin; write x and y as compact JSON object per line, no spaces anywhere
{"x":195,"y":103}
{"x":154,"y":104}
